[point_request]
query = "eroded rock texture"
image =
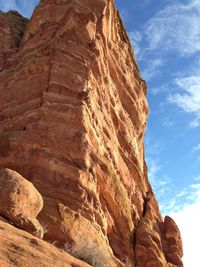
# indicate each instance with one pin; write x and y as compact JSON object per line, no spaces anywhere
{"x":20,"y":249}
{"x":12,"y":28}
{"x":20,"y":202}
{"x":73,"y":112}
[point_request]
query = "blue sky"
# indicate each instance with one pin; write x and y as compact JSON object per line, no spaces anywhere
{"x":166,"y":38}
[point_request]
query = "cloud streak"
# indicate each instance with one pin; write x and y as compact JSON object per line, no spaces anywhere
{"x":152,"y":68}
{"x":135,"y":38}
{"x":188,"y":97}
{"x":175,"y":28}
{"x":171,"y":198}
{"x":197,"y":147}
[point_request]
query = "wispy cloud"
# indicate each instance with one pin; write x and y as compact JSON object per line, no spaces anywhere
{"x":136,"y":38}
{"x":175,"y":28}
{"x":152,"y":68}
{"x":161,"y":185}
{"x":171,"y":199}
{"x":168,"y":123}
{"x":197,"y":147}
{"x":197,"y":178}
{"x":188,"y":97}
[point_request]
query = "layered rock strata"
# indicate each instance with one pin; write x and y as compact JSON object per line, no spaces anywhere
{"x":73,"y":113}
{"x":12,"y":28}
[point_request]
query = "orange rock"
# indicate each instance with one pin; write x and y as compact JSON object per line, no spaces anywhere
{"x":28,"y":224}
{"x":20,"y":202}
{"x":20,"y":249}
{"x":173,"y":243}
{"x":73,"y":113}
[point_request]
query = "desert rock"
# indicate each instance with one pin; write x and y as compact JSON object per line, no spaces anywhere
{"x":21,"y":249}
{"x":20,"y":202}
{"x":73,"y":113}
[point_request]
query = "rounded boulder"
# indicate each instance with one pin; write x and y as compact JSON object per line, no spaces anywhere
{"x":18,"y":196}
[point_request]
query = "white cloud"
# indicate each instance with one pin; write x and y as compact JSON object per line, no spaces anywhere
{"x":153,"y":169}
{"x":168,"y":123}
{"x":152,"y":68}
{"x":184,"y":208}
{"x":188,"y":222}
{"x":197,"y":147}
{"x":175,"y":28}
{"x":162,"y":186}
{"x":136,"y":38}
{"x":197,"y":178}
{"x":188,"y":98}
{"x":155,"y":91}
{"x":170,"y":198}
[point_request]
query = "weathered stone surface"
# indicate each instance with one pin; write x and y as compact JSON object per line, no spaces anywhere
{"x":6,"y":37}
{"x":28,"y":224}
{"x":12,"y":28}
{"x":20,"y":249}
{"x":172,"y":243}
{"x":18,"y":25}
{"x":20,"y":202}
{"x":73,"y":112}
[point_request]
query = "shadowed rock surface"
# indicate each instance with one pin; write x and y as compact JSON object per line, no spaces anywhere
{"x":73,"y":113}
{"x":18,"y":25}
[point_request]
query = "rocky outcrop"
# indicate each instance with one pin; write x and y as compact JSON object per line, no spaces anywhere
{"x":73,"y":116}
{"x":172,"y":243}
{"x":20,"y":202}
{"x":20,"y":249}
{"x":12,"y":28}
{"x":17,"y":25}
{"x":157,"y":243}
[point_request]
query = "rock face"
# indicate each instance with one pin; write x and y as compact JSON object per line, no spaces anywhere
{"x":12,"y":28}
{"x":73,"y":112}
{"x":20,"y":249}
{"x":20,"y":202}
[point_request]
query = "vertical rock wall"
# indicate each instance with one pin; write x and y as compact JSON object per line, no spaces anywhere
{"x":73,"y":112}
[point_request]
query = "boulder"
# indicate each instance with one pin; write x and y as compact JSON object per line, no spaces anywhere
{"x":20,"y":202}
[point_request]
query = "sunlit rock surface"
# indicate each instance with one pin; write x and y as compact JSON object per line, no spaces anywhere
{"x":73,"y":113}
{"x":20,"y":202}
{"x":20,"y":249}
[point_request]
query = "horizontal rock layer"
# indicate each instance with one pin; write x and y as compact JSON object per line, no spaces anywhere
{"x":73,"y":112}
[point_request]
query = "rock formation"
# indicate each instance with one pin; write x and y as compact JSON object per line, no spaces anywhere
{"x":73,"y":113}
{"x":20,"y":202}
{"x":12,"y":28}
{"x":20,"y":249}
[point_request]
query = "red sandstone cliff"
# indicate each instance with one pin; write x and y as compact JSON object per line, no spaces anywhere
{"x":73,"y":112}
